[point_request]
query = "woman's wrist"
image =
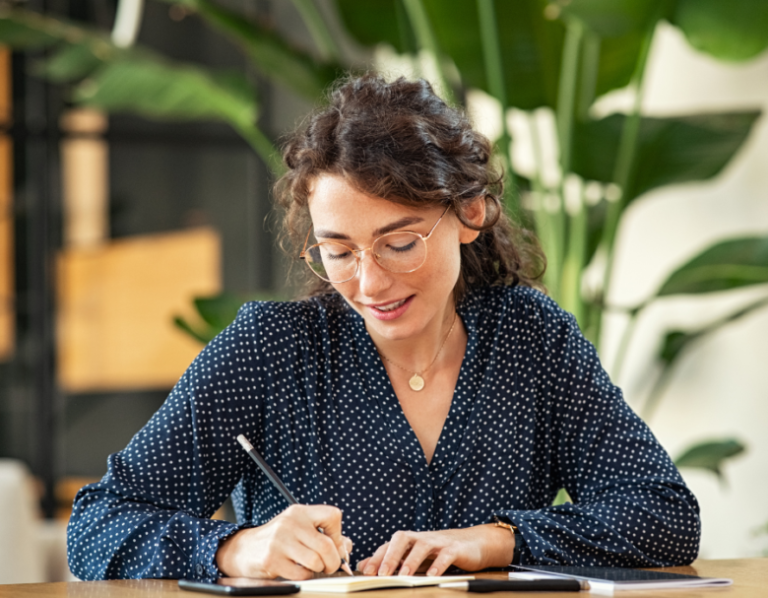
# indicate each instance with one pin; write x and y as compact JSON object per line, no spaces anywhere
{"x":499,"y":545}
{"x":227,"y":553}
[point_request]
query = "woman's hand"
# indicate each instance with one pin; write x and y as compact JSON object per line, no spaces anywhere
{"x":289,"y":546}
{"x":471,"y":548}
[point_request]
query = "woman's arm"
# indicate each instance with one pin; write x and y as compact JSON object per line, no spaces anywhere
{"x":630,"y":505}
{"x":150,"y":514}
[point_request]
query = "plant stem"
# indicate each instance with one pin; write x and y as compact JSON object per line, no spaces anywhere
{"x":652,"y":402}
{"x":566,"y":94}
{"x":566,"y":103}
{"x":624,"y":162}
{"x":318,"y":29}
{"x":494,"y":73}
{"x":590,"y":65}
{"x":573,"y":263}
{"x":425,"y":36}
{"x":624,"y":343}
{"x":263,"y":147}
{"x":575,"y":256}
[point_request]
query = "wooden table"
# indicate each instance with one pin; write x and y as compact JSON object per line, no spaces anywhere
{"x":750,"y":577}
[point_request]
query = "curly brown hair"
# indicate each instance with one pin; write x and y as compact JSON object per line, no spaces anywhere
{"x":399,"y":141}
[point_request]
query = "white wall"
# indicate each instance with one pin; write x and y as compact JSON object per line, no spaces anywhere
{"x":720,"y":388}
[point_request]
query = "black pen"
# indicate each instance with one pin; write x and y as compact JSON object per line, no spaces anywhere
{"x":279,"y":485}
{"x":525,"y":585}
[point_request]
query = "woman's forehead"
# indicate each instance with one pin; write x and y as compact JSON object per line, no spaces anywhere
{"x":337,"y":206}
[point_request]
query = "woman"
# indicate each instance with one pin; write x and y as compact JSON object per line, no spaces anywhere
{"x":425,"y":396}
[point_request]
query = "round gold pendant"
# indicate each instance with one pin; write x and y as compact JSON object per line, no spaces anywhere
{"x":416,"y":382}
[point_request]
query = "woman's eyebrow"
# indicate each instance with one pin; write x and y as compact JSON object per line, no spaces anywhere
{"x":407,"y":221}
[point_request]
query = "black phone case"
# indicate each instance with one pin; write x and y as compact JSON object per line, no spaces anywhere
{"x":273,"y":589}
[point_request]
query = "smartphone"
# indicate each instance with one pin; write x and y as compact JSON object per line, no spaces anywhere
{"x":240,"y":586}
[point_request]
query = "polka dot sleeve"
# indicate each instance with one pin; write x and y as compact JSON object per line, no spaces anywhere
{"x":150,"y":514}
{"x":630,"y":505}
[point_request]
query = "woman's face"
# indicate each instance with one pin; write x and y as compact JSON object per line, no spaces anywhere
{"x":395,"y":306}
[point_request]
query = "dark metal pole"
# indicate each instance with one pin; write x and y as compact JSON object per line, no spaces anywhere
{"x":40,"y":193}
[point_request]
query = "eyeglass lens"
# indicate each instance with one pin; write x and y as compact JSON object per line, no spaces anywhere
{"x":396,"y":252}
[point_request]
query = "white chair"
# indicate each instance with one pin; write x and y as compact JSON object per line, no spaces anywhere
{"x":31,"y":549}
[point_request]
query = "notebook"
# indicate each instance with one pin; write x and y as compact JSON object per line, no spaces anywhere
{"x":616,"y":578}
{"x":359,"y":583}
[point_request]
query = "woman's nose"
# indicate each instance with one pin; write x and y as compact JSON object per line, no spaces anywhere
{"x":373,"y":279}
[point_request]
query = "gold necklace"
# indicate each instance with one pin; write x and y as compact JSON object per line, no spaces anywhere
{"x":417,"y":380}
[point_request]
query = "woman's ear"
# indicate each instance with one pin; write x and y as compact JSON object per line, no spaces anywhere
{"x":474,"y":212}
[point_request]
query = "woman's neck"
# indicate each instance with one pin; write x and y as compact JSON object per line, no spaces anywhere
{"x":421,"y":352}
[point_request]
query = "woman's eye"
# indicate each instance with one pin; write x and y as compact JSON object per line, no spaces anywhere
{"x":402,"y":248}
{"x":330,"y":255}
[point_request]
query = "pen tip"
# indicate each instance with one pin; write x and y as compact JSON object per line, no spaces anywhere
{"x":347,"y":569}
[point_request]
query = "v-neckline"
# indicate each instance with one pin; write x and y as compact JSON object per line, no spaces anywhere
{"x":374,"y":372}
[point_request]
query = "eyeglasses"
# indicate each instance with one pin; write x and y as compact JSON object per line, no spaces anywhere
{"x":399,"y":252}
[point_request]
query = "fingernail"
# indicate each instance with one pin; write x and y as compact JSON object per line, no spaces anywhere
{"x":404,"y":570}
{"x":384,"y":570}
{"x":370,"y":570}
{"x":432,"y":571}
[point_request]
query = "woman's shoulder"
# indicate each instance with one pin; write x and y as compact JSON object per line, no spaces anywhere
{"x":301,"y":316}
{"x":515,"y":302}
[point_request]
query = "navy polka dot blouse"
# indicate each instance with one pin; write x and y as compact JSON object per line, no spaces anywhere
{"x":533,"y":411}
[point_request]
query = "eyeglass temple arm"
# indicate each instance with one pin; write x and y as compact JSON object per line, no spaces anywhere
{"x":303,"y":254}
{"x":429,"y":234}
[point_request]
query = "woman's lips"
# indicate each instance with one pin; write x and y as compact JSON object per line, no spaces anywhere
{"x":391,"y":314}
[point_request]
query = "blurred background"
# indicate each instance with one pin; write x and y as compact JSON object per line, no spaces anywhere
{"x":138,"y":146}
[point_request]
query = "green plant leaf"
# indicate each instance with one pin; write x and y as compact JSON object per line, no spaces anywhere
{"x":670,"y":150}
{"x":25,"y":30}
{"x":150,"y":87}
{"x":710,"y":455}
{"x":70,"y":63}
{"x":726,"y":29}
{"x":727,"y":265}
{"x":203,"y":336}
{"x":608,"y":18}
{"x":269,"y":52}
{"x":562,"y":498}
{"x":374,"y":22}
{"x":218,"y":311}
{"x":618,"y":58}
{"x":531,"y":46}
{"x":674,"y":343}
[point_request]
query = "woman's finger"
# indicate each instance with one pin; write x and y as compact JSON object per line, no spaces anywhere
{"x":306,"y":557}
{"x":443,"y":560}
{"x":420,"y":551}
{"x":374,"y":561}
{"x":293,"y":571}
{"x":321,"y":545}
{"x":348,"y":546}
{"x":328,"y":519}
{"x":398,"y":548}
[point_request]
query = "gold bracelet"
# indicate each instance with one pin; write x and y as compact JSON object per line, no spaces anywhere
{"x":510,"y":526}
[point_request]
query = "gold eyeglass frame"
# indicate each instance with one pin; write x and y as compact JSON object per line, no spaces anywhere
{"x":358,"y":252}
